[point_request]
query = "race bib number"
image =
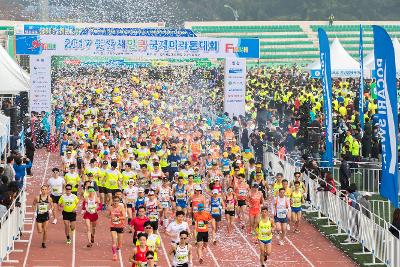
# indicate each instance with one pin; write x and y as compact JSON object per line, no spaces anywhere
{"x":130,"y":200}
{"x":265,"y":233}
{"x":181,"y":258}
{"x":174,"y":164}
{"x":165,"y":204}
{"x":242,"y":192}
{"x":225,"y":168}
{"x":230,"y":207}
{"x":116,"y":220}
{"x":195,"y":209}
{"x":91,"y":208}
{"x":56,"y":190}
{"x":201,"y":225}
{"x":281,"y":213}
{"x":43,"y":208}
{"x":180,"y":196}
{"x":113,"y":182}
{"x":215,"y":210}
{"x":153,"y":217}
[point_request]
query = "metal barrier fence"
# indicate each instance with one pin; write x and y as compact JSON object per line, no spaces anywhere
{"x":11,"y":225}
{"x":369,"y":229}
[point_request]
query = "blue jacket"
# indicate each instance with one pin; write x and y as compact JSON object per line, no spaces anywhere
{"x":20,"y":170}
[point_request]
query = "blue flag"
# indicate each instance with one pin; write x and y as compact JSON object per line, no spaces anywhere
{"x":325,"y":57}
{"x":361,"y":92}
{"x":387,"y":113}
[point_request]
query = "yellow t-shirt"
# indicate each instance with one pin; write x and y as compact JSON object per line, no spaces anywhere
{"x":72,"y":179}
{"x":296,"y":198}
{"x":264,"y":230}
{"x":112,"y":178}
{"x":69,"y":203}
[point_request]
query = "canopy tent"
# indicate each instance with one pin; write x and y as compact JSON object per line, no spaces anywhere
{"x":13,"y":79}
{"x":369,"y":60}
{"x":342,"y":64}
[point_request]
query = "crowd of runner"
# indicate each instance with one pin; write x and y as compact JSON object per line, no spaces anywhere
{"x":141,"y":148}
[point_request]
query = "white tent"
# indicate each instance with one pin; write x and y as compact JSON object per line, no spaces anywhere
{"x":342,"y":64}
{"x":13,"y":79}
{"x":369,"y":60}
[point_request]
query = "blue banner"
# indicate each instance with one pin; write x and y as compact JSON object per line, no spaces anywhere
{"x":387,"y":113}
{"x":325,"y":57}
{"x":73,"y":30}
{"x":361,"y":92}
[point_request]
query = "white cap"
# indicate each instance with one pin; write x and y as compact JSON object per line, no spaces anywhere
{"x":151,"y":192}
{"x":141,"y":190}
{"x":215,"y":191}
{"x":198,"y":187}
{"x":216,"y":178}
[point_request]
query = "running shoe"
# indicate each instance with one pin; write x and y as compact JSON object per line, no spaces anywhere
{"x":92,"y":238}
{"x":69,"y":241}
{"x":115,"y":257}
{"x":281,"y":242}
{"x":296,"y":231}
{"x":104,"y":207}
{"x":89,"y":245}
{"x":54,"y":221}
{"x":201,"y":261}
{"x":288,"y":227}
{"x":43,"y":245}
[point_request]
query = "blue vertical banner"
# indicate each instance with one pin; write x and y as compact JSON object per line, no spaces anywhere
{"x":361,"y":92}
{"x":387,"y":113}
{"x":325,"y":57}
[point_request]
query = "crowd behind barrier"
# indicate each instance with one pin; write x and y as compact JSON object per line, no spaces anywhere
{"x":353,"y":219}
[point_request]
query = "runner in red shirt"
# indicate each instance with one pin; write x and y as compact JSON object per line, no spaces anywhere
{"x":137,"y":223}
{"x":139,"y":258}
{"x":117,"y":215}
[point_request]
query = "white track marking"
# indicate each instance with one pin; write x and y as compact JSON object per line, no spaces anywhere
{"x":121,"y":262}
{"x":34,"y":221}
{"x":298,"y":250}
{"x":247,"y":241}
{"x":213,"y":257}
{"x":73,"y":247}
{"x":165,"y":251}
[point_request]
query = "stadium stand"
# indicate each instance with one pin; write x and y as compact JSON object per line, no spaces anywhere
{"x":288,"y":42}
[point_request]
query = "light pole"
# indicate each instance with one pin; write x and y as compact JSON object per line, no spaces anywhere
{"x":234,"y":11}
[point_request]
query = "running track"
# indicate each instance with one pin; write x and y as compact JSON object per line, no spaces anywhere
{"x":309,"y":248}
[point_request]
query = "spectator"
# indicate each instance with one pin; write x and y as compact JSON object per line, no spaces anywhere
{"x":3,"y":186}
{"x":344,"y":173}
{"x":354,"y":195}
{"x":395,"y":227}
{"x":366,"y":205}
{"x":329,"y":183}
{"x":30,"y":152}
{"x":20,"y":170}
{"x":9,"y":169}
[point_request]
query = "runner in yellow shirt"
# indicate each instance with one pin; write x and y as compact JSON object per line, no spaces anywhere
{"x":69,"y":203}
{"x":113,"y":180}
{"x":73,"y":178}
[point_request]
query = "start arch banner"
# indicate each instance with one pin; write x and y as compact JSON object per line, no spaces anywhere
{"x":149,"y":47}
{"x":41,"y":48}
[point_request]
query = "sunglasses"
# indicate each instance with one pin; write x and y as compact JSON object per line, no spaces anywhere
{"x":148,"y":227}
{"x":184,"y":238}
{"x":68,"y":188}
{"x":149,"y":258}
